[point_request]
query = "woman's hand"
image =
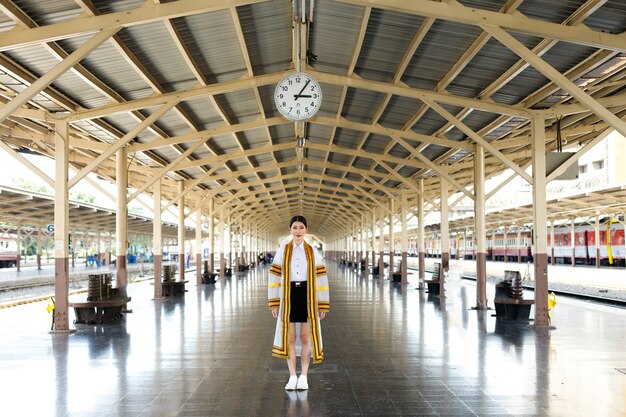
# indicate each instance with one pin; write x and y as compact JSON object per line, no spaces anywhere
{"x":275,"y":313}
{"x":322,"y":314}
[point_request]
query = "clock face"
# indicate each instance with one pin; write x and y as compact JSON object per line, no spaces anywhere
{"x":298,"y":96}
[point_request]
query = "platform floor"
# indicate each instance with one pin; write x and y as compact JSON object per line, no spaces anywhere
{"x":390,"y":350}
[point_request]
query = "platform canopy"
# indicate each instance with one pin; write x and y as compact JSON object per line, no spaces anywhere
{"x":35,"y":211}
{"x":410,"y":88}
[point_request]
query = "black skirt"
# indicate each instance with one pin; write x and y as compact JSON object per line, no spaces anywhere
{"x":298,"y":311}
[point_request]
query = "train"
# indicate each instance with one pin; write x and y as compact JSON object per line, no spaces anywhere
{"x":514,"y":247}
{"x":8,"y":252}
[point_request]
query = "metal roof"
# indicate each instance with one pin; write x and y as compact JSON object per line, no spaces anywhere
{"x":409,"y":87}
{"x":35,"y":210}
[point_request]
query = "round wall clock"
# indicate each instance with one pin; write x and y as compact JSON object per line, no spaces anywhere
{"x":298,"y":96}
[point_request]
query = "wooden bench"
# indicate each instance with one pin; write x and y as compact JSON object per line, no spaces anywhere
{"x":513,"y":309}
{"x":99,"y":311}
{"x":173,"y":288}
{"x":509,"y":300}
{"x":434,"y":283}
{"x":209,"y":277}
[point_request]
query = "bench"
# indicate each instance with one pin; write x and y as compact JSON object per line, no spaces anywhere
{"x":434,"y":283}
{"x":512,"y":309}
{"x":172,"y":288}
{"x":509,"y":300}
{"x":99,"y":311}
{"x":397,"y":275}
{"x":209,"y":277}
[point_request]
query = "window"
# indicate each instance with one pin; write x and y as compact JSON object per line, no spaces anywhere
{"x":598,"y":165}
{"x":582,"y":169}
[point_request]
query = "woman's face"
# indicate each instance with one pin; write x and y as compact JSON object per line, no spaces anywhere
{"x":298,"y":230}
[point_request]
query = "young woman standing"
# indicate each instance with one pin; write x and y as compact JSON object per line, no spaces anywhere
{"x":298,"y":298}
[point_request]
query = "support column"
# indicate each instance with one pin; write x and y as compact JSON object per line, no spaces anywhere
{"x":381,"y":244}
{"x":222,"y":230}
{"x":505,"y":243}
{"x":373,"y":239}
{"x":479,"y":228}
{"x":157,"y":242}
{"x":392,"y":246}
{"x":61,"y":228}
{"x":421,"y":250}
{"x":519,"y":244}
{"x":199,"y":243}
{"x":121,"y":219}
{"x":211,"y":235}
{"x":366,"y":244}
{"x":540,"y":210}
{"x":405,"y":237}
{"x":572,"y":242}
{"x":39,"y":247}
{"x":445,"y":231}
{"x":181,"y":232}
{"x":236,"y":244}
{"x":597,"y":236}
{"x":553,"y":243}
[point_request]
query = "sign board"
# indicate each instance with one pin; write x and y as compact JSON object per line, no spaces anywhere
{"x":50,"y":228}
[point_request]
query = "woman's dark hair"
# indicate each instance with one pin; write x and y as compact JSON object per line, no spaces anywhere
{"x":300,"y":219}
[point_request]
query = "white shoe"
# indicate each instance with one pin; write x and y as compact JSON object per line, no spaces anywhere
{"x":291,"y":385}
{"x":302,"y":383}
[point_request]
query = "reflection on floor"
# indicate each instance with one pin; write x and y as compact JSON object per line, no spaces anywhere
{"x":390,"y":350}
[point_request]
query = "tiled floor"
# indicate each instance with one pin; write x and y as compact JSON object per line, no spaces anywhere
{"x":390,"y":350}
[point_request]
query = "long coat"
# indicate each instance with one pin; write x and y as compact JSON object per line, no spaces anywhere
{"x":279,"y":289}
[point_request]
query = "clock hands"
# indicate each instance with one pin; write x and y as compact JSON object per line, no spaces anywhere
{"x":296,"y":96}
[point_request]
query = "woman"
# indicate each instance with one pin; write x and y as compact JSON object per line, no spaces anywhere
{"x":298,"y":298}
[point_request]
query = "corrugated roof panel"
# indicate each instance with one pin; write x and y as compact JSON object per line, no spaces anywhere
{"x":331,"y":97}
{"x":110,"y":6}
{"x":335,"y":21}
{"x":106,"y":63}
{"x":399,"y":151}
{"x":170,"y":122}
{"x":493,"y":60}
{"x":49,"y":11}
{"x":361,"y":105}
{"x":283,"y":133}
{"x":212,"y":42}
{"x":491,"y":5}
{"x":563,"y":59}
{"x":376,"y":144}
{"x":346,"y":138}
{"x":204,"y":113}
{"x":267,"y":30}
{"x":550,"y":11}
{"x":318,"y":133}
{"x":609,"y":18}
{"x":442,"y":46}
{"x":240,"y":106}
{"x":399,"y":112}
{"x":224,"y":144}
{"x":387,"y":37}
{"x":153,"y":45}
{"x":430,"y":122}
{"x":6,"y":24}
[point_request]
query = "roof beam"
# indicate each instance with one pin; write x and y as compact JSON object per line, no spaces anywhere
{"x":54,"y":73}
{"x":558,"y":78}
{"x":456,"y":12}
{"x":148,"y":12}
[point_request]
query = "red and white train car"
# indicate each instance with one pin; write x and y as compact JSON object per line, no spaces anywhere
{"x":514,"y":247}
{"x":8,"y":252}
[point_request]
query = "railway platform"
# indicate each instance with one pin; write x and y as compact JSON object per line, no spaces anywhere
{"x":390,"y":350}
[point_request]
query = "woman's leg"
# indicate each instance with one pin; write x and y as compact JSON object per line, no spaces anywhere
{"x":305,"y":338}
{"x":291,"y":362}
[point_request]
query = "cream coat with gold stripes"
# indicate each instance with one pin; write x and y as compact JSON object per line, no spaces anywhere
{"x":279,"y":289}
